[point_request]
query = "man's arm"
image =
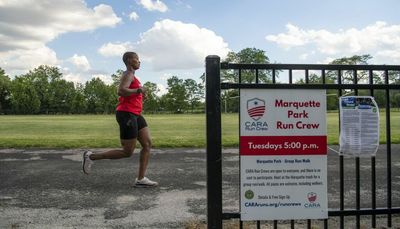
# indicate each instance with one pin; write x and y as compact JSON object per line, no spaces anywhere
{"x":123,"y":88}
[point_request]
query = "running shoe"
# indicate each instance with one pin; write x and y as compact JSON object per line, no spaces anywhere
{"x":87,"y":162}
{"x":145,"y":183}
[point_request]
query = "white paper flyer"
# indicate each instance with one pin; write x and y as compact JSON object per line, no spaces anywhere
{"x":359,"y":126}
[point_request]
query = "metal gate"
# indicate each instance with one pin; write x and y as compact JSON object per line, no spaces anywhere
{"x":215,"y":214}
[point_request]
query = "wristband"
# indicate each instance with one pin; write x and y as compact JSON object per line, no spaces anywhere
{"x":139,"y":90}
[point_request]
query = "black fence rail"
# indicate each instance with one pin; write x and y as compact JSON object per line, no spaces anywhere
{"x":347,"y":79}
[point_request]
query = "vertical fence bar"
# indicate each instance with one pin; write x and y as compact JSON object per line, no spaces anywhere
{"x":290,"y":76}
{"x":355,"y":81}
{"x":373,"y":164}
{"x":358,"y":183}
{"x":307,"y":80}
{"x":240,"y":194}
{"x":341,"y":163}
{"x":257,"y":80}
{"x":273,"y":76}
{"x":307,"y":76}
{"x":389,"y":151}
{"x":323,"y":76}
{"x":274,"y":82}
{"x":213,"y":125}
{"x":357,"y":192}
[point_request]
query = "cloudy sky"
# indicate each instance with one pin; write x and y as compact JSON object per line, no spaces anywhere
{"x":86,"y":38}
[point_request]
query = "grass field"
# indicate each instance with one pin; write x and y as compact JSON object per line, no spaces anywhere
{"x":168,"y":131}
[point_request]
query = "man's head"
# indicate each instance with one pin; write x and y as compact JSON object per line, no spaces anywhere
{"x":131,"y":59}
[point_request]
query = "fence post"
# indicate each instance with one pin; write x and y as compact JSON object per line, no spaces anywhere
{"x":213,"y":131}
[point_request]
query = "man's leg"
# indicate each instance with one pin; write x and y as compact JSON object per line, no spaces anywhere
{"x":128,"y":135}
{"x":145,"y":140}
{"x":128,"y":146}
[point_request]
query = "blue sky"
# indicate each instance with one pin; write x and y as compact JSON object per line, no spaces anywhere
{"x":86,"y":39}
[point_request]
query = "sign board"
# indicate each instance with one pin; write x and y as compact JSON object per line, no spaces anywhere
{"x":359,"y":126}
{"x":283,"y":154}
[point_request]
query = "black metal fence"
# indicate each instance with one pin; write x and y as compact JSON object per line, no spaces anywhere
{"x":215,"y":214}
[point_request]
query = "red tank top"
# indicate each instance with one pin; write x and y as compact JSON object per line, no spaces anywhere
{"x":132,"y":103}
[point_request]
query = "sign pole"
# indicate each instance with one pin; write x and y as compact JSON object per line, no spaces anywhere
{"x":213,"y":126}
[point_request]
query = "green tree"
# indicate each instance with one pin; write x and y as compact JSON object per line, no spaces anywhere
{"x":42,"y":79}
{"x":175,"y":98}
{"x":151,"y":100}
{"x":24,"y":98}
{"x":362,"y":77}
{"x":332,"y":99}
{"x":116,"y":77}
{"x":100,"y":98}
{"x":396,"y":100}
{"x":247,"y":56}
{"x":348,"y":75}
{"x":79,"y":105}
{"x":162,"y":102}
{"x":194,"y":93}
{"x":5,"y":88}
{"x":62,"y":94}
{"x":394,"y":77}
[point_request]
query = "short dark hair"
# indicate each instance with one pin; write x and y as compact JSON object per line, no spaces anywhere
{"x":128,"y":55}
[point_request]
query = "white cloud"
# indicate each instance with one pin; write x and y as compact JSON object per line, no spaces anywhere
{"x":17,"y":61}
{"x":134,"y":16}
{"x":176,"y":45}
{"x":81,"y":62}
{"x":379,"y":39}
{"x":294,"y":37}
{"x":304,"y":56}
{"x":165,"y":76}
{"x":394,"y":54}
{"x":156,"y":5}
{"x":105,"y":78}
{"x":115,"y":49}
{"x":34,"y":23}
{"x":181,"y":3}
{"x":73,"y":77}
{"x":27,"y":26}
{"x":83,"y":77}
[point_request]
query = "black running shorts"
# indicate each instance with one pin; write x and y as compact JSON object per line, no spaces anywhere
{"x":129,"y":124}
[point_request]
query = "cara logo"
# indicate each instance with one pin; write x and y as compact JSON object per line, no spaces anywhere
{"x":312,"y":197}
{"x":255,"y":108}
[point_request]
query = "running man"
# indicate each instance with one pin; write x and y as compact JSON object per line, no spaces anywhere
{"x":132,"y":124}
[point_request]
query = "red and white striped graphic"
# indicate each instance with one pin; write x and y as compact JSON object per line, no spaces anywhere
{"x":256,"y":108}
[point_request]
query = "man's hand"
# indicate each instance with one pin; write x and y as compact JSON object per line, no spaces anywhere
{"x":141,"y":90}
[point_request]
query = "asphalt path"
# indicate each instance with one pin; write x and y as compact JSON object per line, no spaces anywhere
{"x":47,"y":189}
